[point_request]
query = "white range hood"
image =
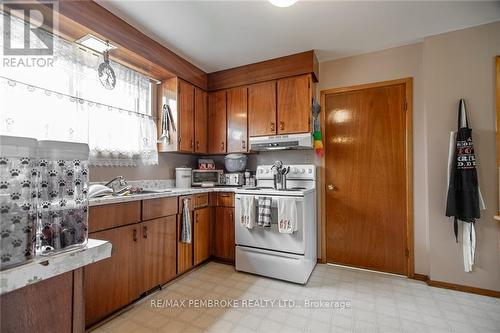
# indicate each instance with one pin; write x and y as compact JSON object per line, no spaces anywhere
{"x":281,"y":142}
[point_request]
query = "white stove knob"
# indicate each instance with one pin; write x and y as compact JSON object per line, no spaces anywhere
{"x":295,"y":170}
{"x":310,"y":171}
{"x":303,"y":171}
{"x":267,"y":170}
{"x":261,"y":171}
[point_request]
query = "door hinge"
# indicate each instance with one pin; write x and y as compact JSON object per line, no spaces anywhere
{"x":407,"y":253}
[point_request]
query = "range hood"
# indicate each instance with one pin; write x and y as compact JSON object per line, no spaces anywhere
{"x":281,"y":142}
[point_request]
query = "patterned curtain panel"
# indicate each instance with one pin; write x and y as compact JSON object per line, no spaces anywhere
{"x":67,"y":102}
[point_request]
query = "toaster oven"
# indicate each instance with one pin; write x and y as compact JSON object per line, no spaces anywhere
{"x":207,"y":177}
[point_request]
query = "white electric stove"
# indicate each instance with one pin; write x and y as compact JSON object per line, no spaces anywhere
{"x":266,"y":251}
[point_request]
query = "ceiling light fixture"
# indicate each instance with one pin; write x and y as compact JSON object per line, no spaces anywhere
{"x":94,"y":43}
{"x":283,"y":3}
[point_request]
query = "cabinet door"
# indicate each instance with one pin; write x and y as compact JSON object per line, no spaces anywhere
{"x":112,"y":283}
{"x":184,"y":250}
{"x":262,"y":109}
{"x":294,"y":104}
{"x":159,"y":251}
{"x":200,"y":120}
{"x":217,"y":122}
{"x":186,"y":116}
{"x":224,"y":233}
{"x":237,"y":126}
{"x":201,"y":235}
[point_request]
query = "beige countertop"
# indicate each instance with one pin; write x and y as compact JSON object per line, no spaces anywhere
{"x":172,"y":192}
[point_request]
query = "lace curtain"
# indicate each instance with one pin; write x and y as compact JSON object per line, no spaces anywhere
{"x":67,"y":102}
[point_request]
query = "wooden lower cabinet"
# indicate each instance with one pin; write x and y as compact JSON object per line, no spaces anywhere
{"x":143,"y":257}
{"x":158,"y":246}
{"x":113,"y":282}
{"x":224,"y":246}
{"x":201,"y":235}
{"x":52,"y":305}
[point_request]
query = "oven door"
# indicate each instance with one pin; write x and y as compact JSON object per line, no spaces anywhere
{"x":270,"y":238}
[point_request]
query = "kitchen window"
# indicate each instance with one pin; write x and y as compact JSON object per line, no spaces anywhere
{"x":67,"y":102}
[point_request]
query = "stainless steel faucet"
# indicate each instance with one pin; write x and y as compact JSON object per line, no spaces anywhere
{"x":118,"y":185}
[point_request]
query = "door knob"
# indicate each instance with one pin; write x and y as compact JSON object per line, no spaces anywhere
{"x":331,"y":187}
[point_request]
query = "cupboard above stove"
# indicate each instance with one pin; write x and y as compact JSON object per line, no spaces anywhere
{"x":270,"y":98}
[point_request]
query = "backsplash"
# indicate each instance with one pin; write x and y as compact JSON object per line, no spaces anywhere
{"x":167,"y":162}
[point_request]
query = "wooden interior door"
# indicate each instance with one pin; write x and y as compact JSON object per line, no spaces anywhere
{"x":159,"y":251}
{"x":366,"y":178}
{"x":186,"y":116}
{"x":110,"y":283}
{"x":237,"y":115}
{"x":262,"y":109}
{"x":201,"y":235}
{"x":217,"y":122}
{"x":224,"y":246}
{"x":200,"y":120}
{"x":294,"y":104}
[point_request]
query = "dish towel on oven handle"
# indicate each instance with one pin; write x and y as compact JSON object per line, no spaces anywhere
{"x":247,"y":211}
{"x":287,"y":215}
{"x":186,"y":222}
{"x":264,"y":218}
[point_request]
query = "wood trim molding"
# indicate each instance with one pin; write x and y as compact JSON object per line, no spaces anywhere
{"x":291,"y":65}
{"x":408,"y":82}
{"x":85,"y":16}
{"x":420,"y":277}
{"x":467,"y":289}
{"x":497,"y":88}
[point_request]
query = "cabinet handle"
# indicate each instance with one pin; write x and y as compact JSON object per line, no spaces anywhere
{"x":282,"y":125}
{"x":191,"y":143}
{"x":134,"y":235}
{"x":197,"y":217}
{"x":230,"y":215}
{"x":197,"y":144}
{"x":272,"y":126}
{"x":224,"y":195}
{"x":222,"y":146}
{"x":145,"y":231}
{"x":243,"y":144}
{"x":179,"y":140}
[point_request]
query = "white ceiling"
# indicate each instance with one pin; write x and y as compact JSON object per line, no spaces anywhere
{"x":216,"y":35}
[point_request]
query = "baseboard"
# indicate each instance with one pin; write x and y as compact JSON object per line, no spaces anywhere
{"x":420,"y":277}
{"x":467,"y":289}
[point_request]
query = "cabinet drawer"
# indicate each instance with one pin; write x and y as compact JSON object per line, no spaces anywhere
{"x":200,"y":200}
{"x":225,"y":199}
{"x":154,"y":208}
{"x":114,"y":215}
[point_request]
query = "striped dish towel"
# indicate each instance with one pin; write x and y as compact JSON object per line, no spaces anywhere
{"x":264,"y":219}
{"x":186,"y":223}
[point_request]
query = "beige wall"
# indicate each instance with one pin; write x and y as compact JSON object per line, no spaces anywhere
{"x":167,"y":162}
{"x":396,"y":63}
{"x":458,"y":65}
{"x":445,"y":68}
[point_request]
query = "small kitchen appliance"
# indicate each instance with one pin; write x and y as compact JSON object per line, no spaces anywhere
{"x":234,"y":179}
{"x":183,"y":177}
{"x":235,"y":162}
{"x":206,"y":178}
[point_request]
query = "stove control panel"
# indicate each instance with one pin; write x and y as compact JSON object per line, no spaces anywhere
{"x":297,"y":171}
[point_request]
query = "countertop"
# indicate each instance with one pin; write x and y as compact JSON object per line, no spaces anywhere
{"x":43,"y":268}
{"x":174,"y":192}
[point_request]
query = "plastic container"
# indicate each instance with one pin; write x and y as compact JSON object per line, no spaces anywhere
{"x":183,"y":177}
{"x":235,"y":162}
{"x":18,"y":197}
{"x":62,"y":219}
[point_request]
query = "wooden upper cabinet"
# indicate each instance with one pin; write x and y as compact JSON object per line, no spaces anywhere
{"x":294,"y":104}
{"x":186,"y":117}
{"x":262,"y":109}
{"x":200,"y":121}
{"x":237,"y":116}
{"x":217,"y":122}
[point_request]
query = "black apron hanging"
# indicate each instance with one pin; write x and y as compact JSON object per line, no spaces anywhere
{"x":463,"y":191}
